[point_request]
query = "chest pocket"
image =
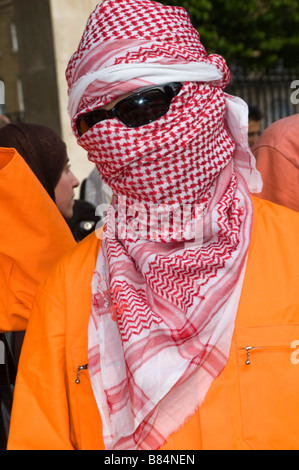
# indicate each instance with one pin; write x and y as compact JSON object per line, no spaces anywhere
{"x":268,"y":360}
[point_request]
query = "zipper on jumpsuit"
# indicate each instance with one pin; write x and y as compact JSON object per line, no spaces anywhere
{"x":79,"y":369}
{"x":248,"y":350}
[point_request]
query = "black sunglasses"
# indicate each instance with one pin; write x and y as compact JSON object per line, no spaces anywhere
{"x":137,"y":110}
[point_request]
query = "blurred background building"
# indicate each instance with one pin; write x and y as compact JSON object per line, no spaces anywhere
{"x":37,"y":38}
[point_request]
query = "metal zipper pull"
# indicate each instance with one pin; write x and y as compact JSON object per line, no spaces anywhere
{"x":248,"y":349}
{"x":79,"y":369}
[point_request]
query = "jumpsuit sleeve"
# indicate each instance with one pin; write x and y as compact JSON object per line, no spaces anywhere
{"x":17,"y":291}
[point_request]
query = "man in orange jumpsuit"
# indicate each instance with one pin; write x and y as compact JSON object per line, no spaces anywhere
{"x":176,"y":326}
{"x":277,"y":157}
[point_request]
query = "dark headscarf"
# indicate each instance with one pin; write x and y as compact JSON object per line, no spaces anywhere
{"x":42,"y":149}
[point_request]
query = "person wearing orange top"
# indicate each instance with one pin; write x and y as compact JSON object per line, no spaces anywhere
{"x":249,"y":406}
{"x":34,"y":202}
{"x":33,"y":237}
{"x":163,"y":331}
{"x":277,"y":157}
{"x":46,"y":154}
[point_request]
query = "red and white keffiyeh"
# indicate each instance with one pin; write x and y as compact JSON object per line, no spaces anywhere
{"x":163,"y":314}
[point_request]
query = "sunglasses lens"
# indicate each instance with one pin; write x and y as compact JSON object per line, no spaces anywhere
{"x":136,"y":110}
{"x":87,"y":121}
{"x":82,"y":127}
{"x":143,"y":109}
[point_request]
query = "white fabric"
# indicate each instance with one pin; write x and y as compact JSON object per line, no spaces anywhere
{"x":148,"y":72}
{"x":162,"y":308}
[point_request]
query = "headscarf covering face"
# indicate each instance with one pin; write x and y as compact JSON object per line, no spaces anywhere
{"x":41,"y":148}
{"x":119,"y":159}
{"x":163,"y":314}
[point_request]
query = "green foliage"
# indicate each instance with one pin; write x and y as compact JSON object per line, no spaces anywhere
{"x":250,"y":33}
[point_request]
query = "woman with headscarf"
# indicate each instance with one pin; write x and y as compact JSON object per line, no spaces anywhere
{"x":46,"y":155}
{"x":34,"y":234}
{"x":185,"y":333}
{"x":36,"y":191}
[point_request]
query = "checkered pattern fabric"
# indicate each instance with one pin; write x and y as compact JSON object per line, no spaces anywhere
{"x":163,"y":313}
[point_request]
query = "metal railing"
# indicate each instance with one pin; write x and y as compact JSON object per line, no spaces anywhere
{"x":275,"y":92}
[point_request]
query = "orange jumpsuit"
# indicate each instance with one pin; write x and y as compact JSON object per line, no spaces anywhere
{"x":249,"y":406}
{"x":33,"y":237}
